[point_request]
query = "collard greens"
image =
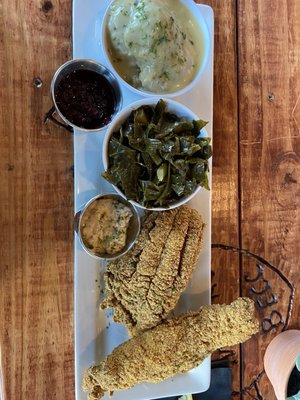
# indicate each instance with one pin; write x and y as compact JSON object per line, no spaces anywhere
{"x":157,"y":158}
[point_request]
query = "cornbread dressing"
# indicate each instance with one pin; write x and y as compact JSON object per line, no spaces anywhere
{"x":104,"y":226}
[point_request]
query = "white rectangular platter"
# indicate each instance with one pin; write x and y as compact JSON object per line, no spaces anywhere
{"x":96,"y":335}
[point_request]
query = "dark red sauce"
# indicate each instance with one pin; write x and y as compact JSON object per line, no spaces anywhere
{"x":86,"y":99}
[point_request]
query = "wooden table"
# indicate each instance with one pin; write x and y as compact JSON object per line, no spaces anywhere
{"x":256,"y":181}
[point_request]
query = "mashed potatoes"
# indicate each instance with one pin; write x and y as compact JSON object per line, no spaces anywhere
{"x":155,"y":45}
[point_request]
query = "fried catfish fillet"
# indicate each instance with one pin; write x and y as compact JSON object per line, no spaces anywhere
{"x":144,"y":285}
{"x":174,"y":346}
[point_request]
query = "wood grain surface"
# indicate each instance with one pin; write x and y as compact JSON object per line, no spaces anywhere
{"x":225,"y":209}
{"x":269,"y":142}
{"x":36,"y":207}
{"x":256,"y":175}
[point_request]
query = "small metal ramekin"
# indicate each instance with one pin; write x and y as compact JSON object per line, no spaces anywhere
{"x":133,"y":227}
{"x":90,"y":65}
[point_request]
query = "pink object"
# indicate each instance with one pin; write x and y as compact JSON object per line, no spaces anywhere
{"x":280,"y":359}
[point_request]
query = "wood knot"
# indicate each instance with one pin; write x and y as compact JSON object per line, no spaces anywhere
{"x":10,"y":167}
{"x":271,"y":97}
{"x":47,"y":6}
{"x":287,"y":179}
{"x":37,"y":82}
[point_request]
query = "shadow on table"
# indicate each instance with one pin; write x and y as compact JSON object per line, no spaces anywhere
{"x":220,"y":387}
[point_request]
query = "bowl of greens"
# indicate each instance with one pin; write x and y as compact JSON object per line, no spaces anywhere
{"x":156,"y":154}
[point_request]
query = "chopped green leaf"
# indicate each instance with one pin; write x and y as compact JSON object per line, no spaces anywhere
{"x":156,"y":157}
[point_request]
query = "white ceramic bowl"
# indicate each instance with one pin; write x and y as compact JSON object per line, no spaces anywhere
{"x":195,"y":11}
{"x":173,"y":107}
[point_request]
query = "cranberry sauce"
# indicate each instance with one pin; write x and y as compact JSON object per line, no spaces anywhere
{"x":86,"y":99}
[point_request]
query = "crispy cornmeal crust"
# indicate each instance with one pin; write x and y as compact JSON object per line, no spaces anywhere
{"x":145,"y":285}
{"x":176,"y":345}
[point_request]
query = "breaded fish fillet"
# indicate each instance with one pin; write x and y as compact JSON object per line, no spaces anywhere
{"x":145,"y":285}
{"x":176,"y":345}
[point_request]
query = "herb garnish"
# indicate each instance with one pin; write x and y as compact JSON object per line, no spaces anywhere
{"x":164,"y":75}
